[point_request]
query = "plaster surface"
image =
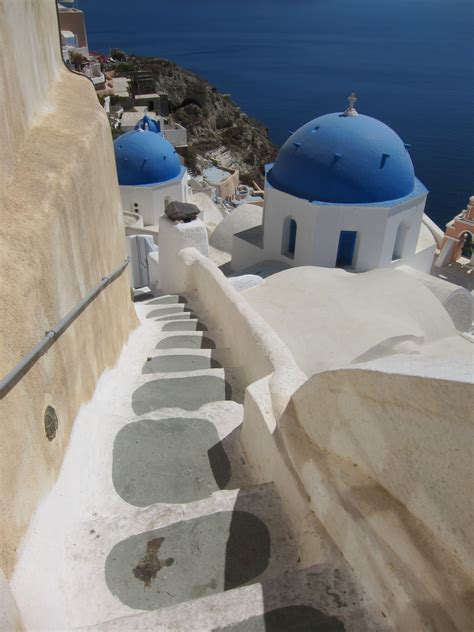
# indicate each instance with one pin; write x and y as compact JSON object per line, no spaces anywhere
{"x":166,"y":529}
{"x":58,"y":180}
{"x":243,"y":217}
{"x":365,"y":316}
{"x":403,"y":526}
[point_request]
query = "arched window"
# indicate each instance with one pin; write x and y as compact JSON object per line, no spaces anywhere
{"x":466,"y":240}
{"x":288,"y":244}
{"x":399,"y":244}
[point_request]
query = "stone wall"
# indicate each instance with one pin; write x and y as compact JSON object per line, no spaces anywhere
{"x":62,"y":231}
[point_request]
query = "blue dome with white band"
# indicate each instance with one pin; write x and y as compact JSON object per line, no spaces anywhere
{"x":344,"y":158}
{"x":143,"y":157}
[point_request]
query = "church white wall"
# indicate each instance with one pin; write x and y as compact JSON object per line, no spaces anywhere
{"x":406,"y":221}
{"x":319,"y":228}
{"x":152,"y":199}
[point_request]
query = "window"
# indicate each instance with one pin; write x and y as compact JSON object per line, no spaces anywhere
{"x":288,"y":246}
{"x":345,"y":251}
{"x":399,"y":241}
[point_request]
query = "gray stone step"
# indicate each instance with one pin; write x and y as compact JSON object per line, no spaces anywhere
{"x":176,"y":316}
{"x":188,"y":393}
{"x":167,"y":299}
{"x":176,"y":460}
{"x":222,"y":355}
{"x":204,"y":555}
{"x":180,"y":362}
{"x":166,"y":310}
{"x":191,"y":324}
{"x":323,"y":598}
{"x":191,"y":340}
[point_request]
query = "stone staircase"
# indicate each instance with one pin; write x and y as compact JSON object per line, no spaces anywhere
{"x":168,"y":531}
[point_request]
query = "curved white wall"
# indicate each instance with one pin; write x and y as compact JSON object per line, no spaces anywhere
{"x":58,"y":182}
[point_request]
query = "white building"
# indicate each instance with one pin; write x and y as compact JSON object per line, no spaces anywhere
{"x":150,"y":174}
{"x":175,"y":133}
{"x":341,"y":193}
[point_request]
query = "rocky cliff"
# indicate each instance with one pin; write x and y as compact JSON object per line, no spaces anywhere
{"x":217,"y":128}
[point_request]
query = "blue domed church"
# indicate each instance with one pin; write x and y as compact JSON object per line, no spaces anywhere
{"x":149,"y":171}
{"x":342,"y":192}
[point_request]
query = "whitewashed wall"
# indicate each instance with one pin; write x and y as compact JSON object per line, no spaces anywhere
{"x":151,"y":199}
{"x":319,"y":228}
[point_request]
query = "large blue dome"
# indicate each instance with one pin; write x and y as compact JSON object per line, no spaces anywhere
{"x":344,"y":159}
{"x":144,"y":157}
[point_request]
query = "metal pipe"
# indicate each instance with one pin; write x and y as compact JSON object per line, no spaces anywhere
{"x":25,"y":364}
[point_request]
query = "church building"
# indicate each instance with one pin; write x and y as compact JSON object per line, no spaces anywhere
{"x":150,"y":172}
{"x":341,"y":193}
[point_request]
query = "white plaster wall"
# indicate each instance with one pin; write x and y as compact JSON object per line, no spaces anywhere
{"x":151,"y":198}
{"x":177,"y":137}
{"x":417,"y":582}
{"x":172,"y":238}
{"x":319,"y":228}
{"x":456,"y":300}
{"x":244,"y":217}
{"x":414,"y":435}
{"x":259,"y":351}
{"x":345,"y":317}
{"x":422,"y":259}
{"x":412,"y":218}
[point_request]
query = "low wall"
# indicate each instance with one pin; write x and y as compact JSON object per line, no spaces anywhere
{"x":377,"y":461}
{"x":259,"y":351}
{"x":407,"y":433}
{"x":456,"y":300}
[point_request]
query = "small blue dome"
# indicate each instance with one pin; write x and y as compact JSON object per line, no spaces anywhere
{"x":149,"y":124}
{"x":344,"y":160}
{"x":143,"y":157}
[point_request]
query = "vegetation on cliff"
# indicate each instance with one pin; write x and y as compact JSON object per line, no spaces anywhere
{"x":217,"y":128}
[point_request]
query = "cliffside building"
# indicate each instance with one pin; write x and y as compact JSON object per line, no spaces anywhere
{"x":150,"y":173}
{"x":459,"y":237}
{"x":73,"y":31}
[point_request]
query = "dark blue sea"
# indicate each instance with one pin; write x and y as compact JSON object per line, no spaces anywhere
{"x":287,"y":61}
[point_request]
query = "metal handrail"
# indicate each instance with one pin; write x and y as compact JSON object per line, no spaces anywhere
{"x":25,"y":364}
